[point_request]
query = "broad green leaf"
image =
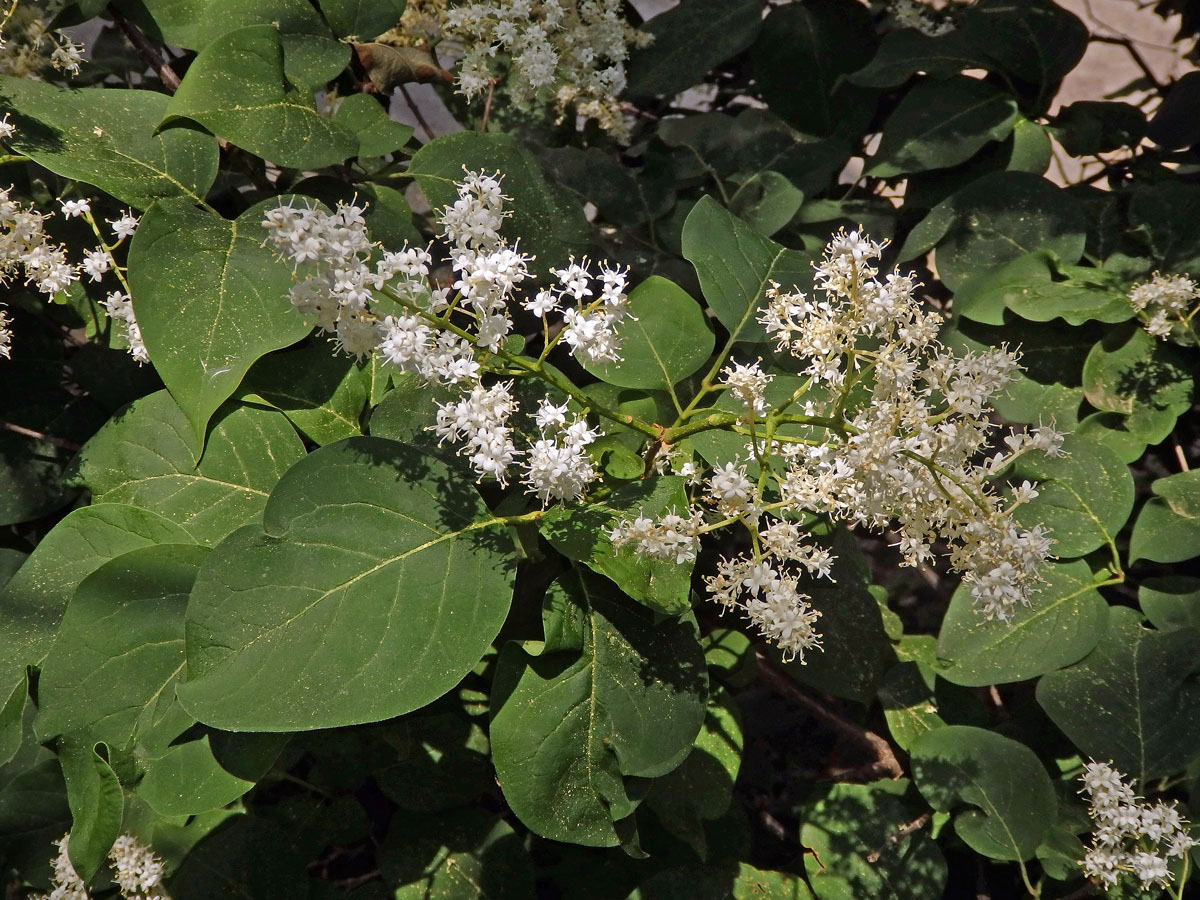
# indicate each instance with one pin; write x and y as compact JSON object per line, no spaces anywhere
{"x":621,"y":194}
{"x":146,"y":457}
{"x":1171,"y":602}
{"x":1165,"y":215}
{"x":319,"y":618}
{"x":97,"y":804}
{"x":378,"y":135}
{"x":208,"y":772}
{"x":736,"y":266}
{"x":909,"y":705}
{"x":236,"y":88}
{"x":112,"y":670}
{"x":210,"y":300}
{"x":609,"y":695}
{"x":33,"y":601}
{"x":702,"y":787}
{"x":12,"y":718}
{"x":739,"y":881}
{"x":33,"y":814}
{"x":1167,"y":528}
{"x":1134,"y":700}
{"x":690,"y":40}
{"x":361,"y":19}
{"x":1062,"y":624}
{"x":766,"y":201}
{"x":546,"y":220}
{"x":1148,"y":382}
{"x":904,"y":52}
{"x":1013,"y":799}
{"x":108,"y":138}
{"x":996,"y":219}
{"x":802,"y":53}
{"x":940,"y":124}
{"x":1084,"y":496}
{"x":194,"y":24}
{"x":581,"y":533}
{"x":321,"y":392}
{"x":468,"y":854}
{"x":859,"y":850}
{"x":667,"y":341}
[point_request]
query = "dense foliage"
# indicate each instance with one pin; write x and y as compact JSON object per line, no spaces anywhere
{"x":366,"y":489}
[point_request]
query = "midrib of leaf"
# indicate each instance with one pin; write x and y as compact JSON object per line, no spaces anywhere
{"x":1013,"y":631}
{"x":382,"y":564}
{"x":160,"y":173}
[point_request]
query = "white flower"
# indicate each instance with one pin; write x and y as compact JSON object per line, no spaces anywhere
{"x":748,"y":383}
{"x":5,"y":335}
{"x":124,"y":226}
{"x":7,"y":128}
{"x":95,"y":263}
{"x":73,"y":208}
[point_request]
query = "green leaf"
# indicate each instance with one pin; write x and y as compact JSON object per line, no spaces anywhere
{"x":248,"y":856}
{"x":766,"y":201}
{"x":1084,"y":496}
{"x":1167,"y":529}
{"x":236,"y":88}
{"x":33,"y":601}
{"x":112,"y":671}
{"x":739,"y":881}
{"x":319,"y":619}
{"x":108,"y":138}
{"x":208,"y":772}
{"x":321,"y":392}
{"x":194,"y":24}
{"x":1164,"y":214}
{"x":378,"y":134}
{"x":146,"y":457}
{"x":362,"y":19}
{"x":210,"y":300}
{"x":1134,"y":700}
{"x":1148,"y":382}
{"x":97,"y":804}
{"x":996,"y":219}
{"x":736,"y":266}
{"x":859,"y":850}
{"x":1171,"y":602}
{"x":909,"y":705}
{"x":802,"y":53}
{"x":581,"y":533}
{"x":702,"y":787}
{"x":443,"y":759}
{"x":545,"y":219}
{"x":1061,"y":625}
{"x":689,"y":40}
{"x":1013,"y":798}
{"x":667,"y":341}
{"x":940,"y":124}
{"x":467,"y":854}
{"x":610,"y":695}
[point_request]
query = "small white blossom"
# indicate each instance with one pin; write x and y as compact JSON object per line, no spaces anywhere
{"x":95,"y":263}
{"x":7,"y":128}
{"x":124,"y":226}
{"x":73,"y":208}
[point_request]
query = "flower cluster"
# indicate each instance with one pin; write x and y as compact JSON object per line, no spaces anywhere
{"x":120,"y":310}
{"x":5,"y":334}
{"x":26,"y":39}
{"x":138,"y":872}
{"x":572,"y":49}
{"x":1129,"y":834}
{"x":923,"y":17}
{"x":889,"y":430}
{"x":1166,"y":303}
{"x":25,"y":244}
{"x":455,"y":334}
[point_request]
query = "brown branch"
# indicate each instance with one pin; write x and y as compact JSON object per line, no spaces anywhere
{"x":146,"y":50}
{"x":903,"y":831}
{"x":62,"y":443}
{"x":1134,"y":54}
{"x":781,"y":683}
{"x":487,"y":106}
{"x":416,"y":111}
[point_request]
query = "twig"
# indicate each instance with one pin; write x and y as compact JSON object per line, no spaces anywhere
{"x":416,"y":111}
{"x":902,"y":832}
{"x":780,"y":682}
{"x":40,"y":436}
{"x":487,"y":106}
{"x":1134,"y":54}
{"x":146,"y":50}
{"x":1179,"y":454}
